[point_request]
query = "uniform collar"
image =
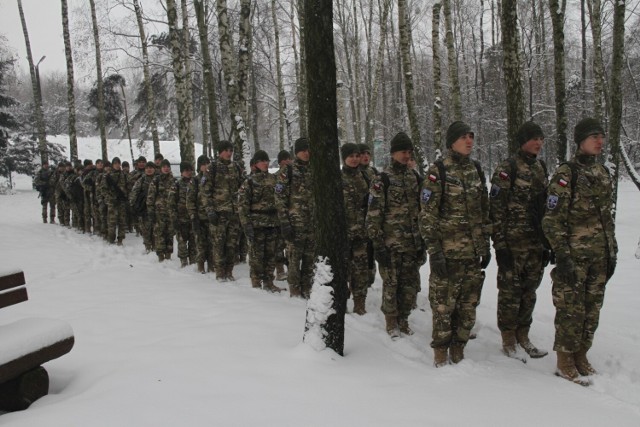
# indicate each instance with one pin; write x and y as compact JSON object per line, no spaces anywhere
{"x":349,"y":170}
{"x":528,"y":158}
{"x":458,"y":158}
{"x":584,"y":159}
{"x":398,"y":167}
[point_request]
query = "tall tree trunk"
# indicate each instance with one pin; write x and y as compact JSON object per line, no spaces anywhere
{"x":512,"y":72}
{"x":37,"y":94}
{"x":583,"y":59}
{"x":280,"y":86}
{"x":454,"y":83}
{"x":351,"y":74}
{"x":151,"y":103}
{"x":188,"y":85}
{"x":126,"y":118}
{"x":595,"y":18}
{"x":96,"y":42}
{"x":404,"y":29}
{"x":617,"y":64}
{"x":330,"y":223}
{"x":209,"y":78}
{"x":557,"y":20}
{"x":71,"y":98}
{"x":437,"y":76}
{"x":303,"y":107}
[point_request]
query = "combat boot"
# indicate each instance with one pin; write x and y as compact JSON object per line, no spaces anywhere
{"x":201,"y":267}
{"x":280,"y":273}
{"x":160,"y":257}
{"x":456,"y":352}
{"x":582,"y":363}
{"x":167,"y":255}
{"x":52,"y":220}
{"x":359,"y":305}
{"x":440,"y":358}
{"x":256,"y":283}
{"x":522,"y":334}
{"x":268,"y":286}
{"x":509,"y":343}
{"x":229,"y":273}
{"x":392,"y":326}
{"x":295,"y":292}
{"x":44,"y":219}
{"x":566,"y":368}
{"x":403,"y":325}
{"x":183,"y":262}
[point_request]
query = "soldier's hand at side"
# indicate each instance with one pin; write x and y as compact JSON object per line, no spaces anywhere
{"x":248,"y":231}
{"x":566,"y":269}
{"x":486,"y":259}
{"x":438,"y":264}
{"x":546,"y":257}
{"x":151,"y":217}
{"x":504,"y":258}
{"x":611,"y":266}
{"x":287,"y":231}
{"x":195,"y":224}
{"x":383,"y":257}
{"x":213,"y":217}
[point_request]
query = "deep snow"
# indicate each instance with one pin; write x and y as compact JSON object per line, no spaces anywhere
{"x":157,"y":345}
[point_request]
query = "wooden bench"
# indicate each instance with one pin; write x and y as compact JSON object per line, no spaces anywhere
{"x":25,"y":345}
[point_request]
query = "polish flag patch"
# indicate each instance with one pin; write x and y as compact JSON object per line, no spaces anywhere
{"x":433,"y":178}
{"x":562,"y":182}
{"x":503,"y":175}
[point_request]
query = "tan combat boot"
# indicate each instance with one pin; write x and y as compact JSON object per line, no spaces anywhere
{"x":392,"y":326}
{"x":280,"y":273}
{"x":268,"y":285}
{"x":403,"y":325}
{"x":256,"y":283}
{"x":582,"y":363}
{"x":567,"y":368}
{"x":522,"y":335}
{"x":509,"y":342}
{"x":359,"y":305}
{"x":440,"y":357}
{"x":456,"y":352}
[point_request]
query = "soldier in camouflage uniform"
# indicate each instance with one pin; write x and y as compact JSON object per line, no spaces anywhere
{"x":454,"y":222}
{"x":126,"y":169}
{"x":76,"y":193}
{"x":392,"y":226}
{"x":370,"y":174}
{"x":295,"y":205}
{"x":115,"y":197}
{"x":517,"y":197}
{"x":134,"y":176}
{"x":284,"y":159}
{"x":219,"y":196}
{"x":42,"y":181}
{"x":138,"y":204}
{"x":355,"y":191}
{"x":101,"y":198}
{"x":161,"y":210}
{"x":259,"y":220}
{"x":88,"y":187}
{"x":185,"y":233}
{"x":198,"y":217}
{"x":579,"y":226}
{"x":60,"y":196}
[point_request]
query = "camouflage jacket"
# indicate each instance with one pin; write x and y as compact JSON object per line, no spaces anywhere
{"x":370,"y":171}
{"x":183,"y":187}
{"x":456,"y":221}
{"x":578,"y":220}
{"x":42,"y":179}
{"x":99,"y":196}
{"x":256,"y":201}
{"x":294,"y":196}
{"x":355,"y":190}
{"x":141,"y":186}
{"x":219,"y":189}
{"x":392,"y":216}
{"x":161,"y":197}
{"x":114,"y":187}
{"x":194,"y":207}
{"x":60,"y":191}
{"x":517,"y":197}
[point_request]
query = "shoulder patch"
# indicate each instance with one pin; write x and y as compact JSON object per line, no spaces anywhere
{"x":203,"y":180}
{"x":552,"y":202}
{"x":432,"y":177}
{"x":495,"y":190}
{"x":425,"y":195}
{"x":503,"y":175}
{"x":377,"y":186}
{"x":562,"y":182}
{"x":279,"y":187}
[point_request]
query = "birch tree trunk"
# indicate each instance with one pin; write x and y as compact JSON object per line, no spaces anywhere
{"x":437,"y":76}
{"x":71,"y":98}
{"x":404,"y":29}
{"x":454,"y":83}
{"x":557,"y":20}
{"x":617,"y":64}
{"x":209,"y":78}
{"x":302,"y":78}
{"x":512,"y":73}
{"x":348,"y":51}
{"x":280,"y":86}
{"x":35,"y":87}
{"x":595,"y":18}
{"x":151,"y":103}
{"x":96,"y":42}
{"x":189,"y":149}
{"x":330,"y":223}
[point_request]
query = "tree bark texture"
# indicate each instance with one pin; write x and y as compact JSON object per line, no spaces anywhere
{"x":512,"y":72}
{"x":437,"y":77}
{"x":302,"y":78}
{"x":100,"y":86}
{"x":454,"y":82}
{"x":617,"y":64}
{"x":557,"y":20}
{"x":279,"y":84}
{"x":71,"y":98}
{"x":595,"y":18}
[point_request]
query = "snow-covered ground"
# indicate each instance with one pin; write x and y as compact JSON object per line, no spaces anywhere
{"x":157,"y":345}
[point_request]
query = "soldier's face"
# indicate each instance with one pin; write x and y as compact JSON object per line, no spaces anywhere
{"x":464,"y":144}
{"x":187,"y":173}
{"x":262,"y":165}
{"x":141,"y":164}
{"x":226,"y":154}
{"x":533,"y":146}
{"x":149,"y":171}
{"x":285,"y":162}
{"x":203,"y":167}
{"x":402,"y":156}
{"x":352,"y":160}
{"x":303,"y":155}
{"x":99,"y":166}
{"x":165,"y":169}
{"x":116,"y":166}
{"x":593,"y":144}
{"x":365,"y":158}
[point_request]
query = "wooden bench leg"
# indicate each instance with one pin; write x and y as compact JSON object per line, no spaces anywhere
{"x":17,"y":394}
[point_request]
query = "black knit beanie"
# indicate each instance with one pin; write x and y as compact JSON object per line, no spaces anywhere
{"x":301,"y":144}
{"x":260,"y":156}
{"x":455,"y":131}
{"x":224,"y":145}
{"x":364,"y":148}
{"x":283,"y":155}
{"x":202,"y":160}
{"x":348,"y":149}
{"x":401,"y":142}
{"x":528,"y":131}
{"x":185,"y":166}
{"x":586,"y":127}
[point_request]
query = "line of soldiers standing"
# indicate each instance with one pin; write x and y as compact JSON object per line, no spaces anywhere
{"x":396,"y":217}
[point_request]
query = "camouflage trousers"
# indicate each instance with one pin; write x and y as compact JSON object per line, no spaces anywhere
{"x":116,"y":221}
{"x":146,"y":231}
{"x":89,"y":220}
{"x":77,"y":215}
{"x":186,"y":241}
{"x":64,"y":212}
{"x":578,"y":304}
{"x":517,"y":290}
{"x":203,"y":242}
{"x":103,"y":212}
{"x":300,"y":254}
{"x":400,"y":284}
{"x":225,"y":236}
{"x":51,"y":204}
{"x":163,"y":232}
{"x":281,"y":246}
{"x":97,"y":222}
{"x":358,"y":269}
{"x":371,"y":275}
{"x":262,"y":253}
{"x":453,"y":301}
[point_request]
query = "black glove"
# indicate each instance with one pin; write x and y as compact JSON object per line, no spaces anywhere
{"x":504,"y":258}
{"x":438,"y":264}
{"x":421,"y":256}
{"x":151,"y":217}
{"x":195,"y":224}
{"x":213,"y":217}
{"x":546,"y":257}
{"x":287,"y":231}
{"x":248,"y":231}
{"x":383,"y":257}
{"x":486,"y":259}
{"x":611,"y":266}
{"x":566,"y":269}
